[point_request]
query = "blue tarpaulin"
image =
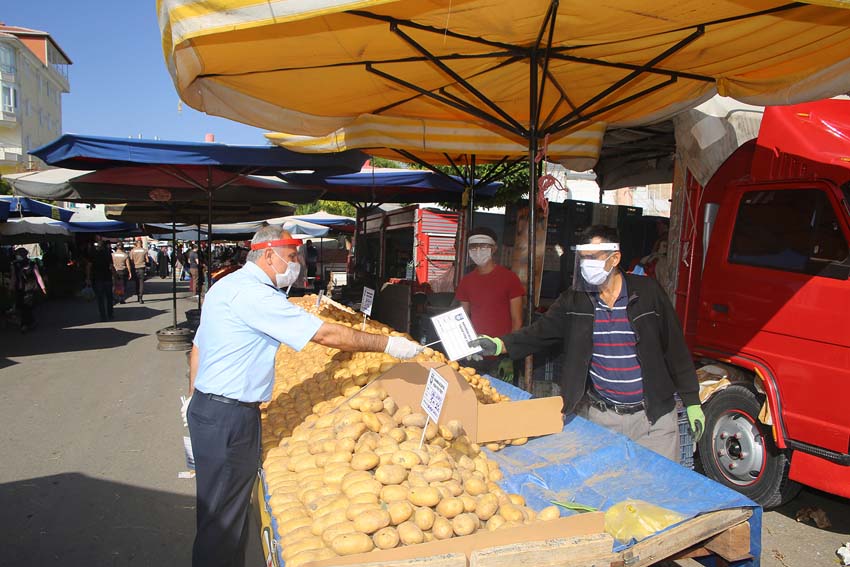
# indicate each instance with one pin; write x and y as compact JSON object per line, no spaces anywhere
{"x":414,"y":186}
{"x":95,"y":152}
{"x":590,"y":465}
{"x":24,"y":206}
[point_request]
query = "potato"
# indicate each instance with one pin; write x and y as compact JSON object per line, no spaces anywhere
{"x":371,"y":406}
{"x":549,"y":513}
{"x":386,"y":538}
{"x":409,"y":534}
{"x":294,"y":523}
{"x":450,"y":507}
{"x":353,"y":431}
{"x":475,"y":486}
{"x":519,"y":441}
{"x":371,"y":521}
{"x":517,"y":499}
{"x":364,"y":461}
{"x":424,"y":518}
{"x":345,"y":418}
{"x":296,"y":535}
{"x":353,"y":478}
{"x":400,"y":512}
{"x":469,"y":502}
{"x":511,"y":512}
{"x":394,"y":493}
{"x":496,"y":475}
{"x":370,"y":486}
{"x":486,"y":506}
{"x":334,"y":530}
{"x":424,"y":496}
{"x":437,"y":474}
{"x":364,"y":498}
{"x":401,"y":413}
{"x":321,"y":523}
{"x":390,"y":474}
{"x":349,"y":544}
{"x":414,"y":420}
{"x":371,"y":420}
{"x":464,"y":524}
{"x":397,"y":434}
{"x":357,"y":509}
{"x":442,"y":528}
{"x":334,"y":474}
{"x":367,"y":442}
{"x":303,"y":463}
{"x":407,"y":459}
{"x":495,"y":523}
{"x":306,"y":544}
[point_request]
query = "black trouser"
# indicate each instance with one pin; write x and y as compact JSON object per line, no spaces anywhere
{"x":140,"y":282}
{"x":24,"y":302}
{"x":226,"y":446}
{"x":103,"y":295}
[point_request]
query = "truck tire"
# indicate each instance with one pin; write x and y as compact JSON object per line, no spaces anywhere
{"x":738,"y":450}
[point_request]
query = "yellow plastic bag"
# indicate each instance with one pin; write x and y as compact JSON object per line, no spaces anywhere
{"x":638,"y":519}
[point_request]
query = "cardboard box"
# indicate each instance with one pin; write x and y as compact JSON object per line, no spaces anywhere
{"x":483,"y":423}
{"x":459,"y":551}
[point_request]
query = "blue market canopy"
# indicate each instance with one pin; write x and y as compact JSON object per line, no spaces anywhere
{"x":26,"y":207}
{"x":413,"y":186}
{"x":337,"y":222}
{"x":96,"y":152}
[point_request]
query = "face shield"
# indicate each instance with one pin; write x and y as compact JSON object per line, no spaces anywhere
{"x":591,"y":269}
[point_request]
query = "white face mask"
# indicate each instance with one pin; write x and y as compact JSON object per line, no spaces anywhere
{"x":480,"y":255}
{"x":594,"y":272}
{"x":288,"y":277}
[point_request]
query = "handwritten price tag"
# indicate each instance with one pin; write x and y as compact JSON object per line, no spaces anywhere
{"x":435,"y":395}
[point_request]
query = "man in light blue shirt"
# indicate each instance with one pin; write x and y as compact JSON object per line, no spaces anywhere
{"x":244,"y":320}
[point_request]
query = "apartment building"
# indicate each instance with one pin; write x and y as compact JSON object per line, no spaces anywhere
{"x":33,"y":77}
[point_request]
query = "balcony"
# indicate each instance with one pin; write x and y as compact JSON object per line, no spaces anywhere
{"x":8,"y":115}
{"x":11,"y":153}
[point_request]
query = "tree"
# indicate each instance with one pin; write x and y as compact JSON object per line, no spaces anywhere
{"x":332,"y":207}
{"x":5,"y":188}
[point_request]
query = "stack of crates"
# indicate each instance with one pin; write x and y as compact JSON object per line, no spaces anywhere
{"x":686,"y":442}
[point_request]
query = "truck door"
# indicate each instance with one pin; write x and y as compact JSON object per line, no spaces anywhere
{"x":775,"y":288}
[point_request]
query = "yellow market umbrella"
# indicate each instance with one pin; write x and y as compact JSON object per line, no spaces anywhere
{"x":525,"y":70}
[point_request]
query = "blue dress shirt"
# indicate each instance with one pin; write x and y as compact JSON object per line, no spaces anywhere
{"x":243,"y":321}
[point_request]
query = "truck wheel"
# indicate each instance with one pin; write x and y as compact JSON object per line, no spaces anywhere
{"x":738,"y":450}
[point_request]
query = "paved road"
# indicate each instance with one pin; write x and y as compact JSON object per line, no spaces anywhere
{"x":91,"y":444}
{"x":91,"y":439}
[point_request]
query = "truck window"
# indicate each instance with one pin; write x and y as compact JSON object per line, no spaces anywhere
{"x":795,"y":230}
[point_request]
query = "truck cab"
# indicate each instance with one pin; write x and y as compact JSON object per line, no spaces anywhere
{"x":765,"y":297}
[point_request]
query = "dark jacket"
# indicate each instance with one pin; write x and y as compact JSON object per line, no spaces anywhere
{"x":666,"y":364}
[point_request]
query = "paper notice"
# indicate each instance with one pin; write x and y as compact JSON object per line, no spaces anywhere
{"x":366,"y":301}
{"x":455,"y":331}
{"x":435,"y":395}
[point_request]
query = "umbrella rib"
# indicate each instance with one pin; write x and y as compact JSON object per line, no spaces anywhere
{"x":632,"y":67}
{"x":557,"y":126}
{"x":551,"y":16}
{"x":562,"y":125}
{"x":447,"y":101}
{"x":452,"y":74}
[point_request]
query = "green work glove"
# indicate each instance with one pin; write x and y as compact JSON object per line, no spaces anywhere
{"x":697,"y":420}
{"x":506,"y":370}
{"x":489,"y":346}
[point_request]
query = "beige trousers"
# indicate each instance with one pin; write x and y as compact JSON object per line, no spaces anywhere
{"x":661,"y":436}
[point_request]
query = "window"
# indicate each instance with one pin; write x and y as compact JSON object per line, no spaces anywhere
{"x":795,"y":230}
{"x":7,"y":60}
{"x":10,"y":99}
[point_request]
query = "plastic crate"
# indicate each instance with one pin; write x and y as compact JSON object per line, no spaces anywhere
{"x":686,"y":442}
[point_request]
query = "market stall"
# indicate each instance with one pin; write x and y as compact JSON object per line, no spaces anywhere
{"x":345,"y":480}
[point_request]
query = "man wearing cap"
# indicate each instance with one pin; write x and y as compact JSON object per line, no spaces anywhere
{"x":490,"y":294}
{"x":625,"y":356}
{"x":244,"y":320}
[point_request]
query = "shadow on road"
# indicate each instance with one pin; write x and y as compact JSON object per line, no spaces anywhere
{"x":72,"y":519}
{"x":67,"y":340}
{"x":837,"y":509}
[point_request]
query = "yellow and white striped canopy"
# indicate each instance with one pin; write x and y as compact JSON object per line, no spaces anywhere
{"x":346,"y":74}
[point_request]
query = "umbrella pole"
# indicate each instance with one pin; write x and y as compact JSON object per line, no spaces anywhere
{"x":200,"y":265}
{"x":209,"y":239}
{"x":532,"y":206}
{"x":173,"y":261}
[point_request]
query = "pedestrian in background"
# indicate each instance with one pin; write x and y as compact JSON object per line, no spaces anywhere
{"x":162,"y":262}
{"x":139,"y":259}
{"x":99,"y":275}
{"x":193,"y":259}
{"x":27,"y":280}
{"x":122,"y":272}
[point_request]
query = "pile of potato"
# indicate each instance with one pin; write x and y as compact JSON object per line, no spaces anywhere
{"x":316,"y":373}
{"x":352,"y":478}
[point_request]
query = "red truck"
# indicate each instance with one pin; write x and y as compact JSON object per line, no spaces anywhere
{"x":763,"y":292}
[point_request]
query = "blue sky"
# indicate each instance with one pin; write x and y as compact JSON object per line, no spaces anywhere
{"x":119,"y":83}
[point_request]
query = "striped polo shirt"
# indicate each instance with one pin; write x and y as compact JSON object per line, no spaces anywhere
{"x":615,"y":369}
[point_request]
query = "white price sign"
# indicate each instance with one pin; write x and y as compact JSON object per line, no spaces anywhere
{"x":366,"y":301}
{"x":455,"y":331}
{"x":319,"y":299}
{"x":435,"y":395}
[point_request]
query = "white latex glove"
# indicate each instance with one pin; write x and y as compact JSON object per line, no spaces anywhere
{"x":402,"y":348}
{"x":184,"y":407}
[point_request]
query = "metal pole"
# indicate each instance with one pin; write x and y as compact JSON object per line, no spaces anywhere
{"x":174,"y":265}
{"x":209,"y":239}
{"x":532,"y":204}
{"x":197,"y":283}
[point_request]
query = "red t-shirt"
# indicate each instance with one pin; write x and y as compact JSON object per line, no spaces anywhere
{"x":489,"y":298}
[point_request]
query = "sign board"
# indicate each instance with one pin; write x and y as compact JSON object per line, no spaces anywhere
{"x":366,"y":301}
{"x":434,"y":396}
{"x":455,"y":331}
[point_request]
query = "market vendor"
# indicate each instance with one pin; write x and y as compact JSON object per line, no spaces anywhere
{"x":492,"y":297}
{"x":624,"y":352}
{"x":244,"y":320}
